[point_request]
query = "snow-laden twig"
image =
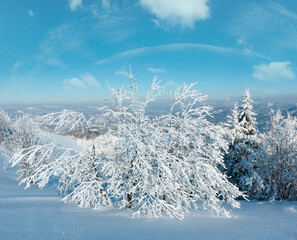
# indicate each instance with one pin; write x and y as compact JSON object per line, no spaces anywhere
{"x":66,"y":120}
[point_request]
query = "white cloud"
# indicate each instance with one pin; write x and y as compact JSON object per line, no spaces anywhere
{"x":174,"y":47}
{"x":265,"y":18}
{"x":105,"y":3}
{"x":87,"y":80}
{"x":53,"y":62}
{"x":248,"y":48}
{"x":283,"y":10}
{"x":31,"y":13}
{"x":178,"y":12}
{"x":74,"y":82}
{"x":274,"y":71}
{"x":156,"y":70}
{"x":74,"y":4}
{"x":17,"y":64}
{"x":122,"y":73}
{"x":156,"y":22}
{"x":90,"y":80}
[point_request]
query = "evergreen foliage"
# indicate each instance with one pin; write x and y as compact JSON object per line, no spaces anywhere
{"x":247,"y":120}
{"x":243,"y":154}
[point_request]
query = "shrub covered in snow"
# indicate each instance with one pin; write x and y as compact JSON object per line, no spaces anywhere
{"x":155,"y":165}
{"x":279,"y":159}
{"x":4,"y":126}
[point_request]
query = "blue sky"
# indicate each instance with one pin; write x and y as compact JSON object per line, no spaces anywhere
{"x":72,"y":51}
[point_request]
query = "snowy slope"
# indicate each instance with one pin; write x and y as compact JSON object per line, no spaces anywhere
{"x":38,"y":214}
{"x":65,"y":141}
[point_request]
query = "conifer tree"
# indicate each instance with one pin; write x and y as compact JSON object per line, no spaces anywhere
{"x":247,"y":120}
{"x":243,"y":155}
{"x":233,"y":123}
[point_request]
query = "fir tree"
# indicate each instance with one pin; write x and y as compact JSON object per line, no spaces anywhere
{"x":247,"y":120}
{"x":243,"y":155}
{"x":242,"y":162}
{"x":233,"y":123}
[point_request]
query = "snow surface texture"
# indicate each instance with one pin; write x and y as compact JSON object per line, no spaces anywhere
{"x":38,"y":214}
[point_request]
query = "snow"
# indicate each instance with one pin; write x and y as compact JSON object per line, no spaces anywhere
{"x":38,"y":214}
{"x":65,"y":141}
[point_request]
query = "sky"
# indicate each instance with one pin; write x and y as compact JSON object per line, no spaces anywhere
{"x":74,"y":51}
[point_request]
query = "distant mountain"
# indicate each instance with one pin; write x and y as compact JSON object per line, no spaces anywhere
{"x":220,"y":110}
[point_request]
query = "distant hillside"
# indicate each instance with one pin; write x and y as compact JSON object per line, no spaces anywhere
{"x":220,"y":110}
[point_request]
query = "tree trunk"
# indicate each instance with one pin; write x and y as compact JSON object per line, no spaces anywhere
{"x":129,"y":199}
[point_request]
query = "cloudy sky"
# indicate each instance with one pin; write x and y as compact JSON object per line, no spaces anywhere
{"x":56,"y":51}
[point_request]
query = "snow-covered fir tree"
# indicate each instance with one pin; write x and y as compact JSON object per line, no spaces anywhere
{"x":279,"y":160}
{"x":244,"y":150}
{"x":233,"y":123}
{"x":247,"y":120}
{"x":242,"y":162}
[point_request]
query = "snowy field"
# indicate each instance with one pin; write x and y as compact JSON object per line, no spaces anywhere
{"x":38,"y":214}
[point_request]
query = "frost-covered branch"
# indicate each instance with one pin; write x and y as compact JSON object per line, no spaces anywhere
{"x":279,"y":159}
{"x":66,"y":120}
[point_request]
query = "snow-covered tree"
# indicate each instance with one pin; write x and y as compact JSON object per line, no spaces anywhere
{"x":279,"y":161}
{"x":5,"y":132}
{"x":25,"y":134}
{"x":168,"y":164}
{"x":233,"y":123}
{"x":78,"y":173}
{"x":77,"y":170}
{"x":244,"y":150}
{"x":242,"y":163}
{"x":200,"y":144}
{"x":66,"y":121}
{"x":247,"y":120}
{"x":158,"y":165}
{"x":4,"y":126}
